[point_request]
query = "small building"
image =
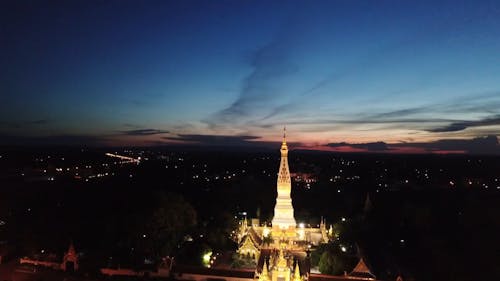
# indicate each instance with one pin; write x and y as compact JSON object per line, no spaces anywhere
{"x":362,"y":271}
{"x":69,"y":262}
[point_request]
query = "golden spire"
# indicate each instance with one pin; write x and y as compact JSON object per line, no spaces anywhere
{"x":284,"y":148}
{"x":296,"y":274}
{"x":282,"y":262}
{"x":283,"y":210}
{"x":284,"y":172}
{"x":264,"y":275}
{"x":264,"y":268}
{"x":284,"y":134}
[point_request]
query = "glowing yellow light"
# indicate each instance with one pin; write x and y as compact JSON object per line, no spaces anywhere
{"x":206,"y":257}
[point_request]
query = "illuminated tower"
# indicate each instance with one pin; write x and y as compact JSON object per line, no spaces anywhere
{"x":283,"y":210}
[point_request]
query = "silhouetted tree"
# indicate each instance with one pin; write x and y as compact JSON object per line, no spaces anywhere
{"x":157,"y":229}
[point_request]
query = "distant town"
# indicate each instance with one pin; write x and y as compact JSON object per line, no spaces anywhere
{"x":383,"y":172}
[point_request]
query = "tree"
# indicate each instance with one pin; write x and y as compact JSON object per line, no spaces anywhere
{"x":329,"y":258}
{"x":316,"y":254}
{"x":326,"y":263}
{"x":219,"y":230}
{"x":160,"y":229}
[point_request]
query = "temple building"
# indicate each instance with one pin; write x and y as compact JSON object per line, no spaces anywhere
{"x":279,"y":250}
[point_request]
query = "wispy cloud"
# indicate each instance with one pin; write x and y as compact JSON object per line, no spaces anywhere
{"x":261,"y":87}
{"x":460,"y":126}
{"x":214,"y":140}
{"x":144,"y":132}
{"x":365,"y":61}
{"x":480,"y":145}
{"x":400,"y":113}
{"x":240,"y":141}
{"x":372,"y":146}
{"x":443,"y":117}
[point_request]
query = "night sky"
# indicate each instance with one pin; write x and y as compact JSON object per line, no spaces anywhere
{"x":394,"y":76}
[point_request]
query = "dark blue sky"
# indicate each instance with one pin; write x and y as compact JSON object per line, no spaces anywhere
{"x":147,"y":72}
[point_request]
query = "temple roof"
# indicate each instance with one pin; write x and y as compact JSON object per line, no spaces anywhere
{"x":247,"y":241}
{"x":362,"y":270}
{"x":255,"y":236}
{"x":71,"y":250}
